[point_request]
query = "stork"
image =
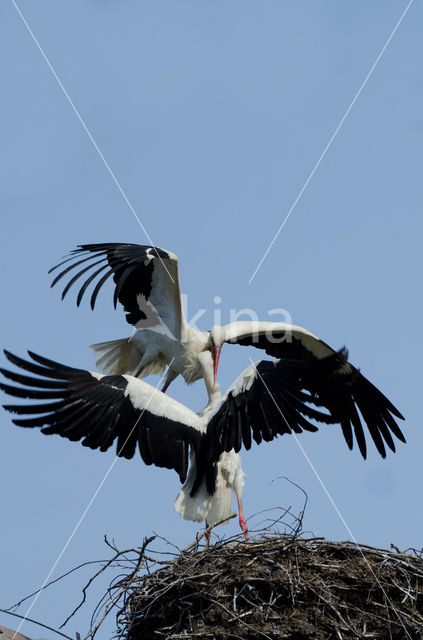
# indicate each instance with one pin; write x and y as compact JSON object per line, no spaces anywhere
{"x":147,"y":285}
{"x":268,"y":399}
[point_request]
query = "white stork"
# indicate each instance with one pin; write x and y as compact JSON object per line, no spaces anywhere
{"x":147,"y":285}
{"x":268,"y":399}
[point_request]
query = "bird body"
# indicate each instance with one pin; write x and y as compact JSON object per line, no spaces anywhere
{"x":217,"y":506}
{"x":204,"y":502}
{"x":152,"y":352}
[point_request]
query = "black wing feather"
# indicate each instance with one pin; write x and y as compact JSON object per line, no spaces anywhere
{"x":261,"y":411}
{"x":87,"y":284}
{"x":98,"y":411}
{"x":78,"y":275}
{"x":131,"y":266}
{"x":343,"y":392}
{"x":73,"y":266}
{"x":284,"y":395}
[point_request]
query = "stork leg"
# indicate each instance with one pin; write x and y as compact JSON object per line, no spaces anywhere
{"x":170,"y":377}
{"x":166,"y":386}
{"x":139,"y":372}
{"x":242,"y":522}
{"x":207,"y":535}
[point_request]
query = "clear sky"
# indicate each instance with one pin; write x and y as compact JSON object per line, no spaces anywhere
{"x":212,"y":115}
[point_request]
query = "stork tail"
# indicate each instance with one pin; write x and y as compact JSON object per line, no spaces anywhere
{"x":202,"y":505}
{"x":117,"y":356}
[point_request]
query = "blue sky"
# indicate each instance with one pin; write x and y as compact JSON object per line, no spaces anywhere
{"x":211,"y":116}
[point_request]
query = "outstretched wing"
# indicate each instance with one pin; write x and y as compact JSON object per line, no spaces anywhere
{"x":348,"y":390}
{"x":268,"y":399}
{"x":100,"y":410}
{"x":278,"y":339}
{"x":146,"y":279}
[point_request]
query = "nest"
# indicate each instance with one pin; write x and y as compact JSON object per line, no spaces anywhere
{"x":279,"y":587}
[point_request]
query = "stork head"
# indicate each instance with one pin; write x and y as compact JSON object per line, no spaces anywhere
{"x":217,"y":338}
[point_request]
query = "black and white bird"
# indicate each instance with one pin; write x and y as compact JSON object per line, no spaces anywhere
{"x":147,"y":285}
{"x":268,"y":399}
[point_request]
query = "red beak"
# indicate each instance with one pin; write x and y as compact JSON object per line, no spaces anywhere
{"x":216,"y":356}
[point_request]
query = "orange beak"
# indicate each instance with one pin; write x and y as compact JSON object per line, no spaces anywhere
{"x":216,"y":356}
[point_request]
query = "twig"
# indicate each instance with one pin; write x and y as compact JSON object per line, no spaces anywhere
{"x":40,"y":624}
{"x":104,"y":567}
{"x":64,"y":575}
{"x":207,"y":530}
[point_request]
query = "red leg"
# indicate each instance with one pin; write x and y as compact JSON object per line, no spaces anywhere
{"x":139,"y":371}
{"x":170,"y":377}
{"x":242,"y":522}
{"x":207,"y":535}
{"x":166,"y":386}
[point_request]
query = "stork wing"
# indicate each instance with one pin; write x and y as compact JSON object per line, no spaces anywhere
{"x":346,"y":391}
{"x":278,"y":339}
{"x":268,"y":399}
{"x":101,"y":409}
{"x":146,"y":279}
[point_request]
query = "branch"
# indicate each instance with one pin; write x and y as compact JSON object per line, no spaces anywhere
{"x":207,"y":530}
{"x":40,"y":624}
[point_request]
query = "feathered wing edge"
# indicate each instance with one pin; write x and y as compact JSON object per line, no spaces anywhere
{"x":349,"y":395}
{"x":274,"y":398}
{"x":100,"y":410}
{"x":266,"y":400}
{"x":140,"y":272}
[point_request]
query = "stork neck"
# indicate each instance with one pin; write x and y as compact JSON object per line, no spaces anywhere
{"x":205,"y":360}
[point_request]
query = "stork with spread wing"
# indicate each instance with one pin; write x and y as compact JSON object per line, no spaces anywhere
{"x":268,"y":399}
{"x":147,"y":285}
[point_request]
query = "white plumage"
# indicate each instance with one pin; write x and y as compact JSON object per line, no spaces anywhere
{"x":216,"y":507}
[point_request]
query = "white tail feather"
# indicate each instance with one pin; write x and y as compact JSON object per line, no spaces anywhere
{"x":117,"y":357}
{"x":192,"y":507}
{"x":203,"y":506}
{"x":220,"y":506}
